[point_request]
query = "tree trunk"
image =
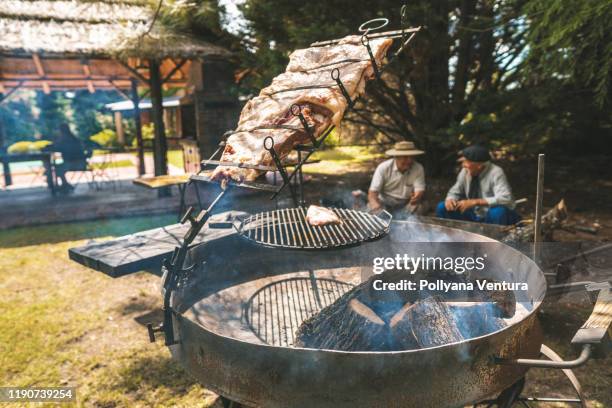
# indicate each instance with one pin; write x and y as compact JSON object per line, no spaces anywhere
{"x":464,"y":57}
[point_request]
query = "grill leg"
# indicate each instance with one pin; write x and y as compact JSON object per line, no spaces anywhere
{"x":227,"y":403}
{"x":510,"y":395}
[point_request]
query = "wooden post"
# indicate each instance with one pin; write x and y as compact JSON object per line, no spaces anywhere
{"x":119,"y":128}
{"x":160,"y":147}
{"x":537,"y":233}
{"x":2,"y":133}
{"x":136,"y":102}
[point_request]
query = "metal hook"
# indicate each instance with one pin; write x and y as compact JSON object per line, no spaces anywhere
{"x":296,"y":110}
{"x":381,"y":21}
{"x":366,"y":42}
{"x":269,"y":143}
{"x":269,"y":146}
{"x":404,"y":15}
{"x":335,"y":74}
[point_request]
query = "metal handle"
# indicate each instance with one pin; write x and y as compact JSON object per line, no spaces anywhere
{"x":592,"y":333}
{"x":594,"y":330}
{"x":373,"y":24}
{"x":385,"y":216}
{"x":584,"y":356}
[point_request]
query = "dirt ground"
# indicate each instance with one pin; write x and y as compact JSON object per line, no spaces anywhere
{"x":63,"y":324}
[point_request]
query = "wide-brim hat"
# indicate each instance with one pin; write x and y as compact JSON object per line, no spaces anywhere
{"x":404,"y":148}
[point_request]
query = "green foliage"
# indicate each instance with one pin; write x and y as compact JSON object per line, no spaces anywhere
{"x":201,"y":18}
{"x":28,"y":146}
{"x":86,"y":107}
{"x":53,"y":109}
{"x":466,"y":77}
{"x":148,"y":134}
{"x":17,"y":119}
{"x":572,"y":40}
{"x":105,"y":138}
{"x":40,"y":144}
{"x":148,"y":131}
{"x":19,"y":147}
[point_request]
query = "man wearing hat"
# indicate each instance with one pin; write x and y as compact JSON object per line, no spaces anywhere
{"x":481,"y":192}
{"x":398,"y":183}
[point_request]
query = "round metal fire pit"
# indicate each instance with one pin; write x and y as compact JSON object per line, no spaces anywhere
{"x":239,"y":310}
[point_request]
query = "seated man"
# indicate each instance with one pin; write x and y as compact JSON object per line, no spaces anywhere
{"x":481,"y":192}
{"x":398,"y":184}
{"x":74,"y":157}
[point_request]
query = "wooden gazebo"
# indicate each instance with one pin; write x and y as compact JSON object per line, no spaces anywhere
{"x":62,"y":45}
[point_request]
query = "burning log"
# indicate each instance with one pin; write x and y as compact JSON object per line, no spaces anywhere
{"x":429,"y":322}
{"x":348,"y":324}
{"x":475,"y":319}
{"x":365,"y":319}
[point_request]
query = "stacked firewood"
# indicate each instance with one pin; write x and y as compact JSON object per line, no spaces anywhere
{"x":553,"y":219}
{"x":364,"y":319}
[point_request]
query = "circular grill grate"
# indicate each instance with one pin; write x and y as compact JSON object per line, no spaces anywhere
{"x":275,"y":311}
{"x":288,"y":228}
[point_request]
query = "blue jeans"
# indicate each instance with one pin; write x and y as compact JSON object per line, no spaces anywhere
{"x":498,"y":214}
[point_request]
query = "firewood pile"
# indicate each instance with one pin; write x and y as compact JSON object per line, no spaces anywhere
{"x":365,"y":319}
{"x":552,"y":220}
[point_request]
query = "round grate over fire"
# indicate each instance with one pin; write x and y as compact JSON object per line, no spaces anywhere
{"x":275,"y":311}
{"x":288,"y":228}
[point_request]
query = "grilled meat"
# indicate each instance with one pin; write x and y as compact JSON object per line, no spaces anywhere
{"x":306,"y":83}
{"x":319,"y":216}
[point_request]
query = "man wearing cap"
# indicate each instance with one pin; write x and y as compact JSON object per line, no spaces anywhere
{"x":398,"y":183}
{"x":481,"y":192}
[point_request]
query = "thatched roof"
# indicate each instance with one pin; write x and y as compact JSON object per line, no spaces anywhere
{"x":93,"y":29}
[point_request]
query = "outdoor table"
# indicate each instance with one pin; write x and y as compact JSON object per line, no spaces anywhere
{"x":45,"y":157}
{"x":158,"y":182}
{"x":145,"y":250}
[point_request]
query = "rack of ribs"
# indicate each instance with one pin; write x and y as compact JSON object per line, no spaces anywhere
{"x":308,"y":84}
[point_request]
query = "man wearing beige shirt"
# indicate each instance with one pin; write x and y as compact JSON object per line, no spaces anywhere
{"x":398,"y":184}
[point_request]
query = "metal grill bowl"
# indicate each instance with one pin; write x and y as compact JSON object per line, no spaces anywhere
{"x":287,"y":228}
{"x":222,"y":343}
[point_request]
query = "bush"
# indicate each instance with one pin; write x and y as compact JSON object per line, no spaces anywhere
{"x":148,"y":133}
{"x":28,"y":147}
{"x":19,"y":147}
{"x":39,"y":145}
{"x":105,"y":138}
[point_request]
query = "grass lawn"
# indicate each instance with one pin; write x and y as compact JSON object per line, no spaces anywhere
{"x":343,"y":159}
{"x":65,"y":325}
